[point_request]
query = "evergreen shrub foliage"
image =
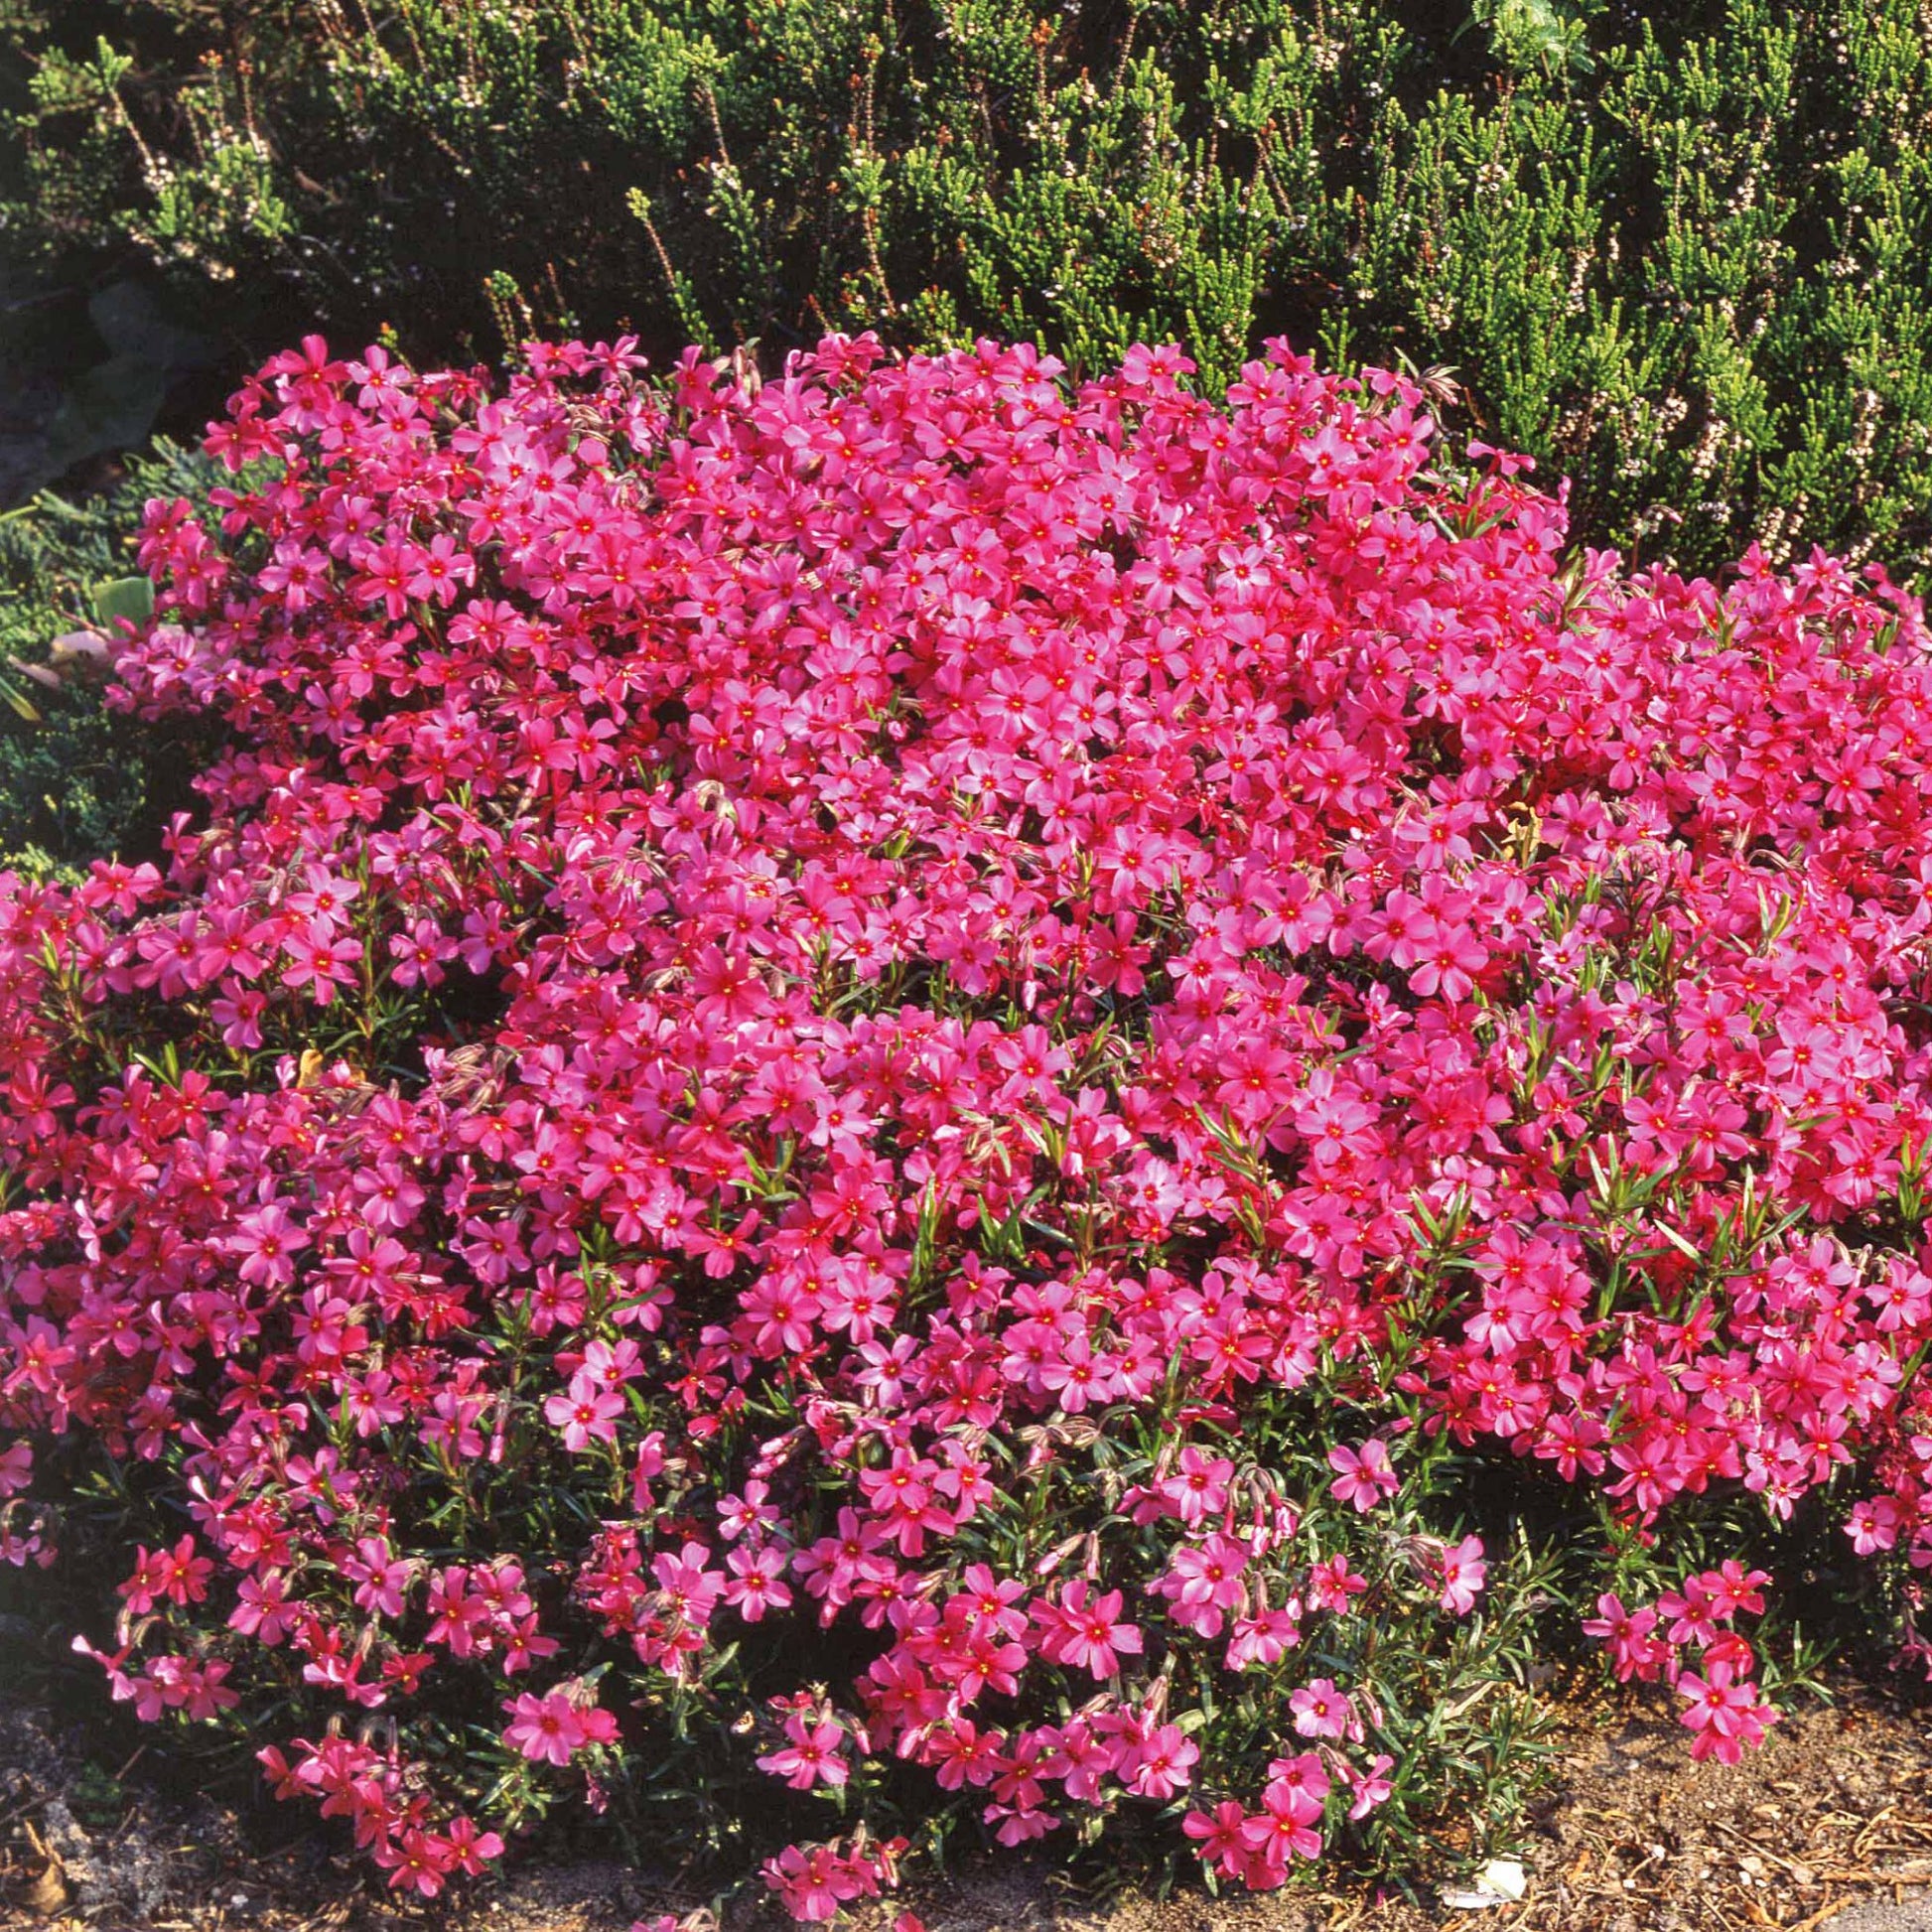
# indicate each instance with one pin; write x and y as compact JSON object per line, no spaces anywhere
{"x":1680,"y":254}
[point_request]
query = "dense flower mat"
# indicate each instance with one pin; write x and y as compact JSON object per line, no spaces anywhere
{"x":857,"y":1081}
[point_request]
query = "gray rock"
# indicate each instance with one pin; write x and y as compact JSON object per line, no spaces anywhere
{"x":1886,"y":1915}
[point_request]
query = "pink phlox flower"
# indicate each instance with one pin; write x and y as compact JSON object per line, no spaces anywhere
{"x":1464,"y":1574}
{"x":1320,"y":1709}
{"x":1724,"y":1712}
{"x":1084,"y":1630}
{"x":811,"y":1755}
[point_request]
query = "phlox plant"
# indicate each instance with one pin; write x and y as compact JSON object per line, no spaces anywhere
{"x":874,"y":1102}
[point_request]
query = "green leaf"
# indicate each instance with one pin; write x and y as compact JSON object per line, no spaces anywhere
{"x":131,"y":598}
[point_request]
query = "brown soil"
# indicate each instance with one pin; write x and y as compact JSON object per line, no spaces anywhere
{"x":1826,"y":1829}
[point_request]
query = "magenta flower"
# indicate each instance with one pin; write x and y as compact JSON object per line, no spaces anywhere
{"x":1220,"y":1838}
{"x":587,"y":1412}
{"x":1283,"y":1830}
{"x":1364,"y":1477}
{"x":553,"y":1729}
{"x":1463,"y":1573}
{"x":1319,"y":1710}
{"x":1724,"y":1712}
{"x":1161,"y":1764}
{"x":1332,"y":1583}
{"x":1084,"y":1631}
{"x":811,"y":1756}
{"x":1371,"y":1787}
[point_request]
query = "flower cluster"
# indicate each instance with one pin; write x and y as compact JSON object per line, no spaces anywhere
{"x":1724,"y":1710}
{"x":816,"y":1882}
{"x":988,"y":1014}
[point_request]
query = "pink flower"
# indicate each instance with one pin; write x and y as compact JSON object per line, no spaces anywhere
{"x":810,"y":1756}
{"x":588,"y":1412}
{"x":1283,"y":1829}
{"x":267,"y":1242}
{"x":1873,"y":1524}
{"x":1371,"y":1787}
{"x":1198,"y":1488}
{"x":1463,"y":1573}
{"x":177,"y":1576}
{"x":1634,"y":1651}
{"x":756,"y":1585}
{"x":1320,"y":1710}
{"x":1083,"y":1630}
{"x":553,"y":1729}
{"x":1724,"y":1713}
{"x":380,"y":1578}
{"x":1365,"y":1477}
{"x":907,"y":927}
{"x":1332,"y":1583}
{"x":416,"y":1860}
{"x":1203,"y":1581}
{"x":468,"y":1848}
{"x":814,"y":1882}
{"x":1219,"y":1838}
{"x":1161,"y":1764}
{"x":1264,"y":1638}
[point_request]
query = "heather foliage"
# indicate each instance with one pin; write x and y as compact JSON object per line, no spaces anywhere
{"x":896,"y":1090}
{"x":1676,"y":252}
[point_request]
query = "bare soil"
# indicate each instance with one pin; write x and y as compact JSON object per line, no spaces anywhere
{"x":1826,"y":1829}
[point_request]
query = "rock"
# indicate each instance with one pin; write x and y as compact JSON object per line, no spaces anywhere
{"x":1914,"y":1915}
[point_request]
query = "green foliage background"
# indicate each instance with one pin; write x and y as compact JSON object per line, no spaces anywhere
{"x":76,"y":780}
{"x":1682,"y":254}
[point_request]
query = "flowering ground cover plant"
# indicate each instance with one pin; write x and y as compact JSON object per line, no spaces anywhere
{"x":865,"y":1093}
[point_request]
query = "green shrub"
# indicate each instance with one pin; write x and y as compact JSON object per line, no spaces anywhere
{"x":1684,"y":259}
{"x":76,"y":780}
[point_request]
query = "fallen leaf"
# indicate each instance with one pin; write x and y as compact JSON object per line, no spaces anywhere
{"x":1502,"y":1882}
